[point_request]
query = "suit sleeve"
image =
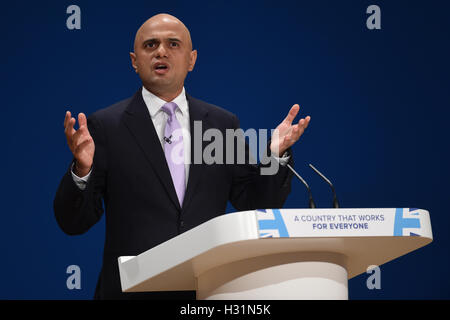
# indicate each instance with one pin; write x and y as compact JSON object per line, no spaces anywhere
{"x":76,"y":210}
{"x":253,"y":190}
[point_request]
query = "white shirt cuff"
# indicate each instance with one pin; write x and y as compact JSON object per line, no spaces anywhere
{"x":284,"y":159}
{"x":80,"y":182}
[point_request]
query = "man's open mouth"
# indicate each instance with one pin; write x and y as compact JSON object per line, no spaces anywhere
{"x":161,"y":68}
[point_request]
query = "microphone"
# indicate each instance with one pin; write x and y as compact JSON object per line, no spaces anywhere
{"x":311,"y":201}
{"x":335,"y":201}
{"x":168,"y":139}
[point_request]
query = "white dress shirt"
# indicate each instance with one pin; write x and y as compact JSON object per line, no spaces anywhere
{"x":159,"y":119}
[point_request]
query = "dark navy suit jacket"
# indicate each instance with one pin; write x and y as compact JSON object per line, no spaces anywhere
{"x":131,"y":176}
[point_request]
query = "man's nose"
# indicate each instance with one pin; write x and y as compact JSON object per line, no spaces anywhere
{"x":162,"y":51}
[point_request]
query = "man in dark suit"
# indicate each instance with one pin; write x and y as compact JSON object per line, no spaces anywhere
{"x":121,"y":156}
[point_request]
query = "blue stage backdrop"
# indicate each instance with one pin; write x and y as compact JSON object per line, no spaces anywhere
{"x":378,"y":99}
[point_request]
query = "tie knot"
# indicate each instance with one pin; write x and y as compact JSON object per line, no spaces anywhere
{"x":169,"y":108}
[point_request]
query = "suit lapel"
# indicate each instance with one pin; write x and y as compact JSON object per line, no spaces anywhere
{"x":197,"y":112}
{"x":139,"y":122}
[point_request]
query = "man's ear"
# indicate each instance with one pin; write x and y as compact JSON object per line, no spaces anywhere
{"x":133,"y":61}
{"x":192,"y":59}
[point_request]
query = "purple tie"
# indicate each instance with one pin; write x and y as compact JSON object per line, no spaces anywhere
{"x":174,"y":150}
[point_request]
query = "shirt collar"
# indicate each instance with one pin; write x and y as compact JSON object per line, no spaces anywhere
{"x":155,"y":103}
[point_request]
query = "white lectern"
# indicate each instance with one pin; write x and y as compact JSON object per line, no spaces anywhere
{"x":277,"y":253}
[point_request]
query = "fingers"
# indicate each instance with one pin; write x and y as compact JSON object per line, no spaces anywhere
{"x":69,"y":131}
{"x":82,"y":119}
{"x":81,"y":144}
{"x":300,"y":127}
{"x":82,"y":127}
{"x":295,"y":132}
{"x":75,"y":137}
{"x":304,"y":122}
{"x":67,"y":118}
{"x":292,"y":114}
{"x":80,"y":135}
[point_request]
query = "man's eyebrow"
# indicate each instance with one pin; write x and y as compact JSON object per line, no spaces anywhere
{"x":154,"y":40}
{"x":151,"y":40}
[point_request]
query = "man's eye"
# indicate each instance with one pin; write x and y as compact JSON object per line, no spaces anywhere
{"x":174,"y":44}
{"x":150,"y":45}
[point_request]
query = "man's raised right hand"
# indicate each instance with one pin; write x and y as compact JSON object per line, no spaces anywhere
{"x":80,"y":143}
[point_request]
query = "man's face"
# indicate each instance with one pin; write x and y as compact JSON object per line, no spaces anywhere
{"x":163,"y":55}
